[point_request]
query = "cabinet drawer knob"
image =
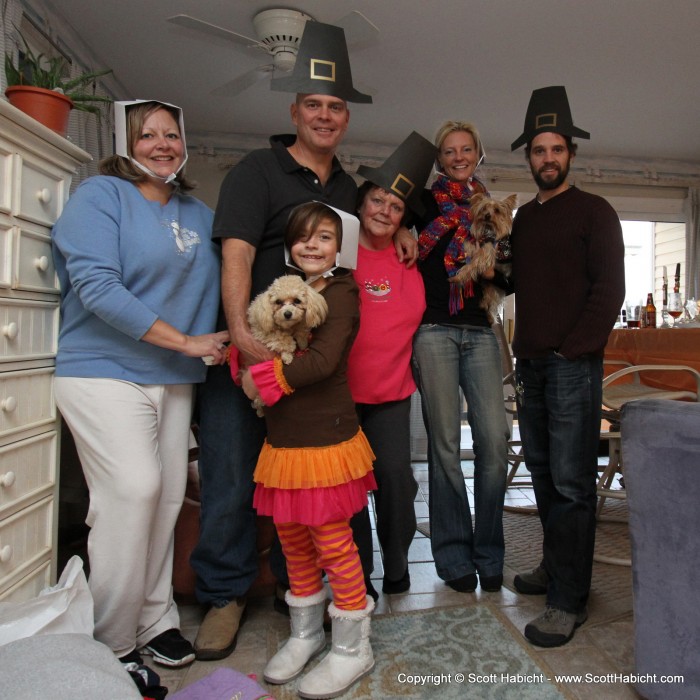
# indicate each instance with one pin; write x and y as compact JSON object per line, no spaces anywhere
{"x":7,"y":479}
{"x":5,"y":554}
{"x":9,"y":404}
{"x":10,"y":330}
{"x":44,"y":195}
{"x":42,"y":263}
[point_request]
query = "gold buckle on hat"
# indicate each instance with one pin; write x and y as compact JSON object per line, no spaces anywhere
{"x":544,"y":120}
{"x":323,"y":66}
{"x":400,"y":183}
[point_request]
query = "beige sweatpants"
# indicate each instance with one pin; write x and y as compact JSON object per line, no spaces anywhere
{"x":132,"y":441}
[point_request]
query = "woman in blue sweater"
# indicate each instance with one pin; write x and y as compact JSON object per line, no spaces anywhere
{"x":139,"y":277}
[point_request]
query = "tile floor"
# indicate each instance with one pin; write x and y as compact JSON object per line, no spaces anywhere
{"x":596,"y":649}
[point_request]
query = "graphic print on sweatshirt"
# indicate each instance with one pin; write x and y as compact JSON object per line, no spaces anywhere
{"x":185,"y":238}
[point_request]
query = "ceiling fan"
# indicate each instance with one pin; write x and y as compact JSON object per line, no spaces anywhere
{"x":278,"y":32}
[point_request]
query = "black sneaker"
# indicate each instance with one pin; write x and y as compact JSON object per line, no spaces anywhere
{"x":170,"y":648}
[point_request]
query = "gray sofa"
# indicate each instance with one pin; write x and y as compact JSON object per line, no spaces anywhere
{"x":661,"y":448}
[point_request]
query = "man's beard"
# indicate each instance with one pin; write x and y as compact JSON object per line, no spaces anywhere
{"x":551,"y":184}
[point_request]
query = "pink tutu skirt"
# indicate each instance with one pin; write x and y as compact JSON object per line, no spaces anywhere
{"x":314,"y":506}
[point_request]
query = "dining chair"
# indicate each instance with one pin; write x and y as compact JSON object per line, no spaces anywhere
{"x":515,"y":446}
{"x":616,"y":394}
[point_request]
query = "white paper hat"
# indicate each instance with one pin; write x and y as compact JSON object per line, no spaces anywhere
{"x":347,"y":255}
{"x":121,"y":145}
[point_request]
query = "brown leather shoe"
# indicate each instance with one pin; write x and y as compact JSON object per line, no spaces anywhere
{"x":218,"y":632}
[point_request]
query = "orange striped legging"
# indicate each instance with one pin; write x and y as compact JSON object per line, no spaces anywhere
{"x":310,"y":550}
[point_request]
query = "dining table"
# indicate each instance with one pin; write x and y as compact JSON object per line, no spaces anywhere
{"x":657,"y":346}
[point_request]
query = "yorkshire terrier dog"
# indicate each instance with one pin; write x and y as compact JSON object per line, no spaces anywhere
{"x":282,"y":316}
{"x":491,"y":224}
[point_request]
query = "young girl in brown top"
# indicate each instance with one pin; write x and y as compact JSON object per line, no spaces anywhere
{"x":315,"y":468}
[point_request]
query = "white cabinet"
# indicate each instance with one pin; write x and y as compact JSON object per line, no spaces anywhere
{"x":36,"y":167}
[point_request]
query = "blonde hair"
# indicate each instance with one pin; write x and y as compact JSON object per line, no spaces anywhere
{"x":451,"y":126}
{"x":121,"y":167}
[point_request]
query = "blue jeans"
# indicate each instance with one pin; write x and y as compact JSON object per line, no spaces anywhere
{"x":231,"y":436}
{"x":559,"y":412}
{"x":446,"y":358}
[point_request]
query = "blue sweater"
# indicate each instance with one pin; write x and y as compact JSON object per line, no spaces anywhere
{"x":123,"y":262}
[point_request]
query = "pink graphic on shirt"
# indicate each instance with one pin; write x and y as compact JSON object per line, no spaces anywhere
{"x":377,"y":289}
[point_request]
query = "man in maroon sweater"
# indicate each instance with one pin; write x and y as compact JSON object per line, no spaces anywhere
{"x":569,"y":283}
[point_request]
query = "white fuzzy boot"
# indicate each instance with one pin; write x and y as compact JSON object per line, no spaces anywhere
{"x":307,"y":638}
{"x":349,"y":659}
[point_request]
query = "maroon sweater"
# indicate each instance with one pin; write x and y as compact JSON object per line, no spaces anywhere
{"x":568,"y":275}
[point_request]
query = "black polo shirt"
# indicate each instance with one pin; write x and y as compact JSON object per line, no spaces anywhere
{"x":257,"y":195}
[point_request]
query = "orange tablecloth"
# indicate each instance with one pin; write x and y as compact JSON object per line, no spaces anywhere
{"x":657,"y":346}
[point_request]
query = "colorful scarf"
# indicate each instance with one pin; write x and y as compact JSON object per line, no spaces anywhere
{"x":453,"y":202}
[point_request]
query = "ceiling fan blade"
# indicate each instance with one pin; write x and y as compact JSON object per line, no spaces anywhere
{"x":202,"y":26}
{"x":243,"y":82}
{"x":359,"y":31}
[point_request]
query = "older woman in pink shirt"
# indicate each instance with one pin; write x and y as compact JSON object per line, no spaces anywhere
{"x":392,"y":302}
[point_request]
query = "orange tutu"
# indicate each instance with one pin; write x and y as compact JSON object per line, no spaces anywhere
{"x":314,"y":485}
{"x":314,"y":467}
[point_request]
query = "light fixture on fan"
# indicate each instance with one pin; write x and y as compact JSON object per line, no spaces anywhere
{"x":279,"y":32}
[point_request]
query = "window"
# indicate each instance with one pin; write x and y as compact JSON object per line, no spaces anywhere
{"x":639,"y":259}
{"x":649,"y":247}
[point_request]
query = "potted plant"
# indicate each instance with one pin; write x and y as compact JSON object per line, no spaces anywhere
{"x":35,"y":85}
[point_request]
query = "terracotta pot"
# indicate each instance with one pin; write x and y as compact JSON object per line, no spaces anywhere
{"x":48,"y":107}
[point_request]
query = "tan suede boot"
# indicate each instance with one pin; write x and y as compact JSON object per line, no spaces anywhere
{"x":218,"y":632}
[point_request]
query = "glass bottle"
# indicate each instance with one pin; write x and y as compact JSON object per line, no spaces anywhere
{"x":650,"y":312}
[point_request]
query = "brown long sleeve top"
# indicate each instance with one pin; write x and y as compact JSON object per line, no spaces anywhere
{"x":320,"y":411}
{"x":568,"y":275}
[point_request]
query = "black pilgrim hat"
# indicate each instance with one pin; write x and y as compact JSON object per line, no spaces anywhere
{"x":322,"y":66}
{"x":548,"y":111}
{"x":405,"y":172}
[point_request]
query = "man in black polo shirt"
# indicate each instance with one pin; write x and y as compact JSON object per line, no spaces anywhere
{"x":254,"y":202}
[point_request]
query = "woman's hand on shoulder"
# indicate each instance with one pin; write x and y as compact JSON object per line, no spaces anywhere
{"x":406,"y":246}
